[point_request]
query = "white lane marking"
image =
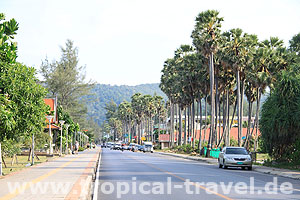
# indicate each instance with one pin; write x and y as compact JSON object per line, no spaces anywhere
{"x":95,"y":193}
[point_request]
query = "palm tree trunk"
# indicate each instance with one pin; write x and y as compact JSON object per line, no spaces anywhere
{"x":185,"y":126}
{"x":256,"y":118}
{"x":197,"y":119}
{"x":242,"y":106}
{"x":246,"y":144}
{"x":239,"y":107}
{"x":205,"y":111}
{"x":217,"y":111}
{"x":180,"y":127}
{"x":173,"y":124}
{"x":193,"y":124}
{"x":158,"y":123}
{"x":232,"y":119}
{"x":188,"y":121}
{"x":227,"y":131}
{"x":220,"y":118}
{"x":200,"y":136}
{"x":176,"y":123}
{"x":212,"y":96}
{"x":129,"y":131}
{"x":223,"y":136}
{"x":151,"y":128}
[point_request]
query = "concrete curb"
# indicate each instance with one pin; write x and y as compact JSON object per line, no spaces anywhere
{"x":91,"y":179}
{"x":94,"y":188}
{"x":261,"y":169}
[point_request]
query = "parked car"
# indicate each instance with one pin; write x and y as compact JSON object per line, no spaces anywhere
{"x":133,"y":147}
{"x":109,"y":144}
{"x":117,"y":146}
{"x":148,"y":147}
{"x":112,"y":146}
{"x":235,"y":157}
{"x":141,"y":148}
{"x":125,"y":147}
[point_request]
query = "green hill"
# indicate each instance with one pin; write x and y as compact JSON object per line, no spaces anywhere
{"x":105,"y":93}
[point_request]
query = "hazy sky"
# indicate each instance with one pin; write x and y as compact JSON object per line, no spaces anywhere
{"x":127,"y":41}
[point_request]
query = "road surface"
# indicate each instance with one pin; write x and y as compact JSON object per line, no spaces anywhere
{"x":140,"y":176}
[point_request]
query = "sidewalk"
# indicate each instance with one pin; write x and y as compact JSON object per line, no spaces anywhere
{"x":262,"y":169}
{"x":68,"y":177}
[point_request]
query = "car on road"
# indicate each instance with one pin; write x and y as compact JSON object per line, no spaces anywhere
{"x":132,"y":147}
{"x":117,"y":146}
{"x":148,"y":147}
{"x":112,"y":145}
{"x":141,"y":148}
{"x":235,"y":157}
{"x":109,"y":144}
{"x":125,"y":147}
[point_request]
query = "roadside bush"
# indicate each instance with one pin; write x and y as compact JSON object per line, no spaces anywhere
{"x":279,"y":124}
{"x":233,"y":142}
{"x":80,"y":149}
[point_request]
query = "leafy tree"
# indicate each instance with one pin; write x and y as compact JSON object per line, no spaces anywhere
{"x":295,"y":44}
{"x":8,"y":48}
{"x":22,"y":109}
{"x":278,"y":125}
{"x":66,"y":80}
{"x":27,"y":105}
{"x":111,"y":110}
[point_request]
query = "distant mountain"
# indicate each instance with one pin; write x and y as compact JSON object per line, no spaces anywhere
{"x":103,"y":94}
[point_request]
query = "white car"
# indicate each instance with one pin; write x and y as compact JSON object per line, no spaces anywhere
{"x":148,"y":147}
{"x":235,"y":157}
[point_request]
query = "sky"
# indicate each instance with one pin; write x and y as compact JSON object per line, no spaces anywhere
{"x":125,"y":42}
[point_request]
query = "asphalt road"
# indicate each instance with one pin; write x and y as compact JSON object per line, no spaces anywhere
{"x":139,"y":176}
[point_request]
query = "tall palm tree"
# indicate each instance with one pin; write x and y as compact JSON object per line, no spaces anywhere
{"x":238,"y":51}
{"x":205,"y":38}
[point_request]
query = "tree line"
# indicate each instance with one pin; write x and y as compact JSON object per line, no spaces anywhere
{"x":219,"y":69}
{"x":135,"y":120}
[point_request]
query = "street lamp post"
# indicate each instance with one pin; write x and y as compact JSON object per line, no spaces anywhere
{"x":67,"y":126}
{"x":61,"y":130}
{"x":49,"y":117}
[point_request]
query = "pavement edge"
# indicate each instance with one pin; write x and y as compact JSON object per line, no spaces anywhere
{"x":94,"y":188}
